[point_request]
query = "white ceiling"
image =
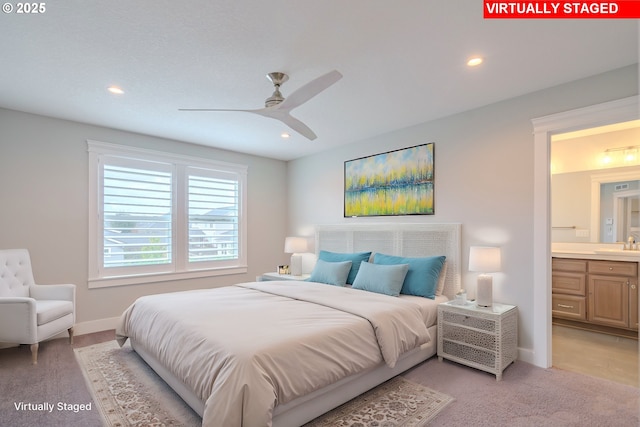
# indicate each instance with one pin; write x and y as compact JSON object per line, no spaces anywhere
{"x":402,"y":65}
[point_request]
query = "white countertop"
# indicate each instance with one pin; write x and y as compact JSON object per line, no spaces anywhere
{"x":608,"y":252}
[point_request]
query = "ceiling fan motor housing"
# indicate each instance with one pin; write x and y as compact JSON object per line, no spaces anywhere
{"x":277,"y":79}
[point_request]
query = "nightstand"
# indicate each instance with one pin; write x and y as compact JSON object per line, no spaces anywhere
{"x":275,"y":276}
{"x":484,"y":338}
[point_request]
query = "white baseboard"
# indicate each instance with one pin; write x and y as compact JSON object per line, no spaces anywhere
{"x":80,"y":329}
{"x":95,"y":325}
{"x":526,"y":355}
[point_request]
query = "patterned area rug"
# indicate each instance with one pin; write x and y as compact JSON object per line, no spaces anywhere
{"x":129,"y":393}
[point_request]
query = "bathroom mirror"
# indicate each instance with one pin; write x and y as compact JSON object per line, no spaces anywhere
{"x":595,"y":184}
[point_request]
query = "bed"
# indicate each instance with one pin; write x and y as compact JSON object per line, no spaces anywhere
{"x":282,"y":353}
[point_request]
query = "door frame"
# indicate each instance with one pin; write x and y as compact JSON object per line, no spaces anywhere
{"x":607,"y":113}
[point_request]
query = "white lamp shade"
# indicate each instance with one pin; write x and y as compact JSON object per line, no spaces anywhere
{"x":484,"y":259}
{"x":294,"y":245}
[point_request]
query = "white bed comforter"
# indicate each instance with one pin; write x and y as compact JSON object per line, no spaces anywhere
{"x":246,"y":348}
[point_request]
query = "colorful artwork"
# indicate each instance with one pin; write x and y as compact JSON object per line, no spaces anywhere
{"x":395,"y":183}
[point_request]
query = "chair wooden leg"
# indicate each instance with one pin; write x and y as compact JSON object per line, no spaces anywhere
{"x":34,"y":353}
{"x":70,"y":335}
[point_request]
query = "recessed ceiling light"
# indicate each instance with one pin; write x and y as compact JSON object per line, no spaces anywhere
{"x":474,"y":62}
{"x":115,"y":89}
{"x":285,"y":135}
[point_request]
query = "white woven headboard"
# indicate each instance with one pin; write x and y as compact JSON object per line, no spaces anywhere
{"x":409,"y":240}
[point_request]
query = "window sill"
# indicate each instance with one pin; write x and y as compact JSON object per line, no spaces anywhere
{"x":107,"y":282}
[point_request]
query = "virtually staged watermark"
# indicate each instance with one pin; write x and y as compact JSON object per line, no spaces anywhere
{"x":50,"y":407}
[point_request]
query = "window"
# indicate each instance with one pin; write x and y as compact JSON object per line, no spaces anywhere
{"x":155,"y":216}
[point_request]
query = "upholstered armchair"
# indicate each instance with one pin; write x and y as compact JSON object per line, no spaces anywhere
{"x":31,"y":313}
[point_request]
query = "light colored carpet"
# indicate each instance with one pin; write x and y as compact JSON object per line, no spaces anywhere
{"x":128,"y":393}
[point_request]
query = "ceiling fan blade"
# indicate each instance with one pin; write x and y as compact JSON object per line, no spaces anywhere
{"x":298,"y":126}
{"x":309,"y":90}
{"x":215,"y":109}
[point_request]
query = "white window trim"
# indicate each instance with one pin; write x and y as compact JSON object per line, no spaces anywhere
{"x":97,"y":149}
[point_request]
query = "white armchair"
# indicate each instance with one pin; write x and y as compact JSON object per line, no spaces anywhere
{"x":31,"y":313}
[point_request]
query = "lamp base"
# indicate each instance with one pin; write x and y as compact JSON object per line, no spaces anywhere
{"x":484,"y":296}
{"x":295,"y":268}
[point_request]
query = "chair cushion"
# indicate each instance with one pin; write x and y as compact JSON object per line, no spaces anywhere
{"x":50,"y":310}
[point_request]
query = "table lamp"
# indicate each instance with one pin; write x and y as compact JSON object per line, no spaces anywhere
{"x":484,"y":260}
{"x":295,"y":246}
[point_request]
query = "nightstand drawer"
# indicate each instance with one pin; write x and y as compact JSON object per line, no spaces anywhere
{"x":465,"y":335}
{"x":469,"y":354}
{"x":569,"y":307}
{"x":469,"y":321}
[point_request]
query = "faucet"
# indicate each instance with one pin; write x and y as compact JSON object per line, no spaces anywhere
{"x":631,"y":241}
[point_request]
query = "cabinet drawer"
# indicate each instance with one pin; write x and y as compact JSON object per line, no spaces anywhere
{"x":619,"y":268}
{"x":469,"y":353}
{"x":571,"y":265}
{"x":469,"y":336}
{"x":569,"y":283}
{"x":469,"y":321}
{"x":569,"y":307}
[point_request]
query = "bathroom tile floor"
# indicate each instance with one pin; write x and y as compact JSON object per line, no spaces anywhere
{"x":599,"y":355}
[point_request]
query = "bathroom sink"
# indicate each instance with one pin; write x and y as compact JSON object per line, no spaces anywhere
{"x":617,"y":252}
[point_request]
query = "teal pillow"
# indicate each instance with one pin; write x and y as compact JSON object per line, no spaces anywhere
{"x":331,"y":273}
{"x":423,"y":274}
{"x":383,"y":279}
{"x":356,"y":258}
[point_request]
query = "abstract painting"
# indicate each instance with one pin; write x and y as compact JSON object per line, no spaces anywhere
{"x":397,"y":182}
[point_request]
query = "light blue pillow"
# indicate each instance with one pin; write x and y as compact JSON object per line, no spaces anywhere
{"x":356,"y":258}
{"x":331,"y":273}
{"x":383,"y":279}
{"x":423,"y":274}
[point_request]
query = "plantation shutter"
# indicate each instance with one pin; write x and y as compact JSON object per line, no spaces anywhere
{"x":137,"y":213}
{"x":213,"y":215}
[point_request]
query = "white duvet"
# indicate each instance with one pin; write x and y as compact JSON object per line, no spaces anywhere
{"x":246,"y":348}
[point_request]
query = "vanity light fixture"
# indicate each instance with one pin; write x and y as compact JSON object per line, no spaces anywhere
{"x":629,"y":153}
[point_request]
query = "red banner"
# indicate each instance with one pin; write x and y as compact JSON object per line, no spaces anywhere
{"x":622,"y":9}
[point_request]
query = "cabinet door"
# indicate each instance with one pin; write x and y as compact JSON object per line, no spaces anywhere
{"x":609,"y":300}
{"x":633,"y":304}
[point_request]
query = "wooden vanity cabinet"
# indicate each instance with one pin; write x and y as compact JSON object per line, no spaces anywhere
{"x":596,"y":291}
{"x":568,"y":283}
{"x":611,"y":285}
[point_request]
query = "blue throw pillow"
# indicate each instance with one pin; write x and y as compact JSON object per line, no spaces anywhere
{"x":383,"y":279}
{"x":331,"y":273}
{"x":356,"y":258}
{"x":423,"y":274}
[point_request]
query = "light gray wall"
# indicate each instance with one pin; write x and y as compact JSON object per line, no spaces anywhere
{"x":44,"y":208}
{"x":483,"y":179}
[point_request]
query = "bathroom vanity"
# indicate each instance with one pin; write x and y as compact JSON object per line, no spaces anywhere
{"x":596,"y":289}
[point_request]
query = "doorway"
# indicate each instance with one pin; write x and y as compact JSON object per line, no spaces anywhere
{"x":544,"y":127}
{"x":597,"y":192}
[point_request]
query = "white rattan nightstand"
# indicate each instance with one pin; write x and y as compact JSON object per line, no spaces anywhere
{"x":483,"y":338}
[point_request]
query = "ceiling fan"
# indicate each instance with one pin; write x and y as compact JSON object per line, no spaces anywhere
{"x":278,"y":107}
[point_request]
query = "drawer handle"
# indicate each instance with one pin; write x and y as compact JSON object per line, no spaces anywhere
{"x":565,"y":306}
{"x":633,"y":286}
{"x":610,"y":268}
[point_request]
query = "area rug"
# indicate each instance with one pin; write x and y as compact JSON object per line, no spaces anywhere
{"x":128,"y":393}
